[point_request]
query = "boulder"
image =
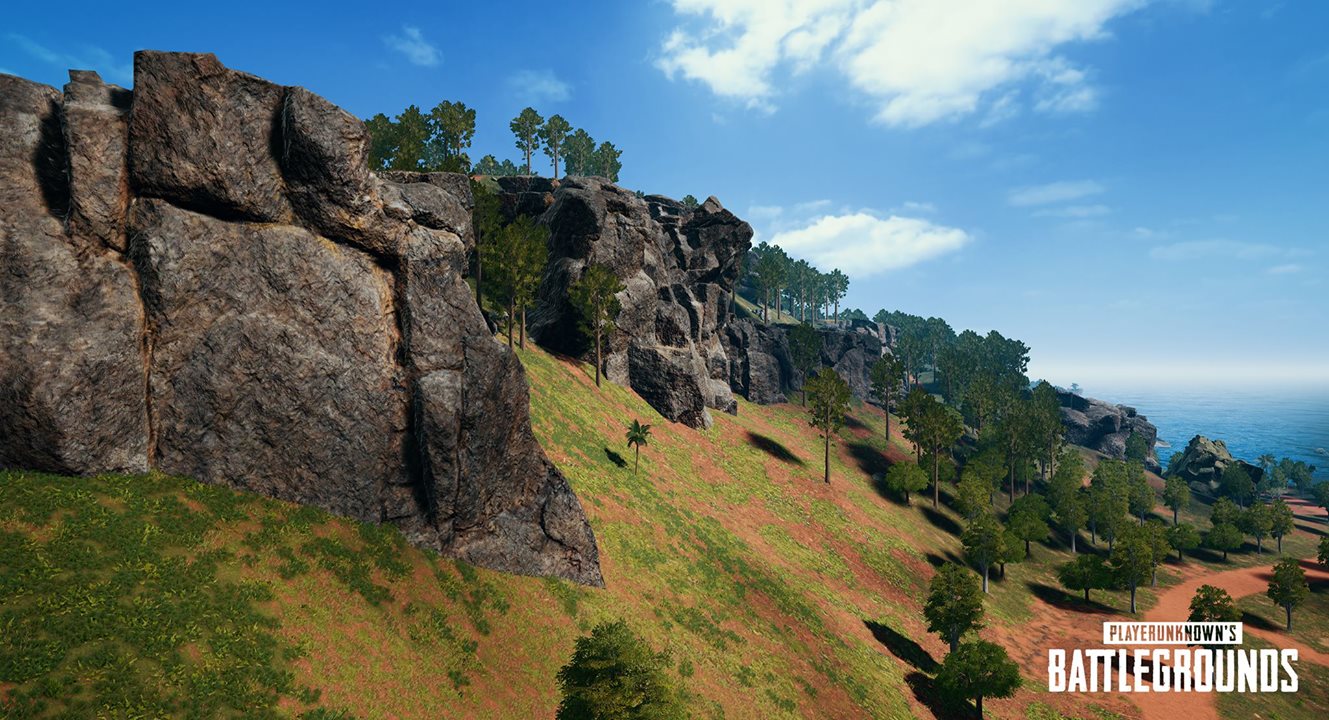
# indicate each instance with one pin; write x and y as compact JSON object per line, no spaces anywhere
{"x":678,"y":269}
{"x":236,"y":297}
{"x":1204,"y":461}
{"x":1105,"y":427}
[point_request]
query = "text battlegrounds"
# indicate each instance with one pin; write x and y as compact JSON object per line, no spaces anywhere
{"x":1198,"y":662}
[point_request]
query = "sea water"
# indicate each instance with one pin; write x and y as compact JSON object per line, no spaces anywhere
{"x":1285,"y":421}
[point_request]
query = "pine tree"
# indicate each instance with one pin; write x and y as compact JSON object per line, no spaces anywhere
{"x":595,"y":297}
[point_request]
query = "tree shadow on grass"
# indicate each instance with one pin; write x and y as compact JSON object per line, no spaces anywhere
{"x":854,"y":423}
{"x":936,"y":559}
{"x":615,"y":458}
{"x":940,"y":520}
{"x":1317,"y":529}
{"x":943,"y":707}
{"x":1062,"y":600}
{"x":1256,"y":621}
{"x":774,"y":448}
{"x":903,"y":647}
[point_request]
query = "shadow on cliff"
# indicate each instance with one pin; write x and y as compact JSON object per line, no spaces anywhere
{"x":774,"y":448}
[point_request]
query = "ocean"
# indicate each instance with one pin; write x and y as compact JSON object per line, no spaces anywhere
{"x":1284,"y":421}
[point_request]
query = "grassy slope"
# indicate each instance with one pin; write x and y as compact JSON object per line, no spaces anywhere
{"x":776,"y":595}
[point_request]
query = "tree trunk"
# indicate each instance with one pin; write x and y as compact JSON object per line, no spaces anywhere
{"x":985,"y":577}
{"x":522,"y":342}
{"x":1174,"y":516}
{"x":888,"y":421}
{"x":597,"y":357}
{"x":827,"y":434}
{"x":1259,"y":545}
{"x":636,"y":461}
{"x":1280,"y":544}
{"x":979,"y":704}
{"x":936,"y":486}
{"x":1132,"y":598}
{"x":512,"y":320}
{"x":955,"y":642}
{"x":1028,"y":552}
{"x":1288,"y":608}
{"x":1086,"y":594}
{"x":1073,"y":534}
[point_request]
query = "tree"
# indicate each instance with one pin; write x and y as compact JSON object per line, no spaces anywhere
{"x":452,"y":127}
{"x":526,"y":128}
{"x":1176,"y":495}
{"x":805,"y":351}
{"x":1155,"y":534}
{"x":615,"y":674}
{"x":1028,"y":520}
{"x":529,"y":247}
{"x":595,"y":297}
{"x":638,"y":435}
{"x":1140,"y":494}
{"x":1236,"y":483}
{"x":1288,"y":588}
{"x":1183,"y":538}
{"x":912,"y":409}
{"x":1212,"y":604}
{"x":1046,"y":424}
{"x":1132,"y":561}
{"x":886,"y":375}
{"x":973,"y":495}
{"x":690,"y":202}
{"x":983,"y":543}
{"x":829,"y":399}
{"x":838,"y":285}
{"x":578,"y":153}
{"x":1257,"y":521}
{"x":1137,"y":448}
{"x":1085,"y":573}
{"x":1224,"y":538}
{"x":1322,"y":551}
{"x":552,"y":134}
{"x":905,"y":478}
{"x":1066,"y":494}
{"x":977,"y":670}
{"x":938,"y":428}
{"x":382,"y":141}
{"x":1320,"y":493}
{"x":487,"y":222}
{"x":1281,"y":521}
{"x":606,"y":161}
{"x":1109,"y":500}
{"x":1225,"y":512}
{"x":954,"y":605}
{"x":410,"y":133}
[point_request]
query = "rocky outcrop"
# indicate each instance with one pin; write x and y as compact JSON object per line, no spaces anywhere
{"x":678,"y":268}
{"x":204,"y":278}
{"x":1204,"y":461}
{"x":761,"y":368}
{"x":1105,"y":427}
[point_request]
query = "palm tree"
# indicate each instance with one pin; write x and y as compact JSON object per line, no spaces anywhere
{"x":638,"y":435}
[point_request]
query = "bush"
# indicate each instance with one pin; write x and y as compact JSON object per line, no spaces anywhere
{"x":615,"y":674}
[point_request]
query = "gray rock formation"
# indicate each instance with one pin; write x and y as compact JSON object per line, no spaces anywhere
{"x":678,"y":269}
{"x":1204,"y":461}
{"x":205,"y":278}
{"x":1105,"y":427}
{"x":761,"y":368}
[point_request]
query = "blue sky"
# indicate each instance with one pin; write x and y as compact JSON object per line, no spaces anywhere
{"x":1139,"y":190}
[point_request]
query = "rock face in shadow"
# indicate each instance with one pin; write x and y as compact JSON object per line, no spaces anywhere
{"x":1105,"y":427}
{"x":1204,"y":461}
{"x":678,"y":268}
{"x":203,"y":277}
{"x":761,"y":367}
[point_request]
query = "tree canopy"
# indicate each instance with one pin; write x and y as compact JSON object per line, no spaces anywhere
{"x":615,"y":674}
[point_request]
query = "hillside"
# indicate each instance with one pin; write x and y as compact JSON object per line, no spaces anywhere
{"x":776,"y":595}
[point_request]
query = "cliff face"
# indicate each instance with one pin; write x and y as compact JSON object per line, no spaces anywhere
{"x":1105,"y":427}
{"x":678,"y":269}
{"x":203,"y":277}
{"x":1204,"y":461}
{"x":761,"y":367}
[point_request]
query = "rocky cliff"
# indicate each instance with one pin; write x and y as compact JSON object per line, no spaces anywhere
{"x":1105,"y":427}
{"x":761,"y":367}
{"x":678,"y":268}
{"x":203,"y":277}
{"x":1204,"y":461}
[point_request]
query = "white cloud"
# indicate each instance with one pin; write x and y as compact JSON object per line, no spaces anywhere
{"x":916,"y":61}
{"x":1050,"y":193}
{"x":863,"y":244}
{"x":1075,"y":212}
{"x":88,"y":58}
{"x":411,"y":43}
{"x":537,"y":86}
{"x":913,"y":206}
{"x":1199,"y":249}
{"x":1286,"y":269}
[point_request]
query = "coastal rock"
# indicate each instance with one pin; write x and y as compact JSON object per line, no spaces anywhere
{"x":1204,"y":461}
{"x":279,"y":320}
{"x":1105,"y":427}
{"x":678,"y":269}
